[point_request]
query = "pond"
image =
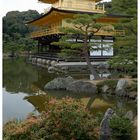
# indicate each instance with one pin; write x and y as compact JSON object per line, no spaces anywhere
{"x":23,"y":87}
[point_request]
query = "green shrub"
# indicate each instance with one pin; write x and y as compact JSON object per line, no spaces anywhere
{"x":132,"y":87}
{"x":110,"y":83}
{"x":68,"y":120}
{"x":22,"y":130}
{"x":65,"y":119}
{"x":121,"y":75}
{"x":121,"y":128}
{"x":117,"y":74}
{"x":133,"y":74}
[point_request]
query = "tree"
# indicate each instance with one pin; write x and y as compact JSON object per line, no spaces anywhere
{"x":123,"y":7}
{"x":83,"y":27}
{"x":28,"y":44}
{"x":15,"y":31}
{"x":126,"y":47}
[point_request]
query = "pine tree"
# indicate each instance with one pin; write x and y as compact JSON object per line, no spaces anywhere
{"x":82,"y":27}
{"x":123,"y":7}
{"x":126,"y":47}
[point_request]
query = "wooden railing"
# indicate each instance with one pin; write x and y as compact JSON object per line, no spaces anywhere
{"x":82,"y":7}
{"x":45,"y":32}
{"x":111,"y":33}
{"x":56,"y":30}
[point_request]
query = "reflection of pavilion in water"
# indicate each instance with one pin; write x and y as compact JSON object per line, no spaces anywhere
{"x":94,"y":103}
{"x":21,"y":77}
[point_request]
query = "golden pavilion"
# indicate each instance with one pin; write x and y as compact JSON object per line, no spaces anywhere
{"x":48,"y":25}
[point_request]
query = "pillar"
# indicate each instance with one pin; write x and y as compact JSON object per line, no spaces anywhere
{"x":38,"y":47}
{"x":102,"y":45}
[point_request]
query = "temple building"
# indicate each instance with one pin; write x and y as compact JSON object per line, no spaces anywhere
{"x":48,"y":25}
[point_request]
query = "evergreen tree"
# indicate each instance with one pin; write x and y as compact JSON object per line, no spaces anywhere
{"x":123,"y":7}
{"x":15,"y":32}
{"x":126,"y":47}
{"x":83,"y":26}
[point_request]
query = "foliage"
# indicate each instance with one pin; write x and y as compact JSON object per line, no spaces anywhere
{"x":121,"y":61}
{"x":124,"y":7}
{"x":83,"y":28}
{"x":128,"y":43}
{"x":15,"y":32}
{"x":69,"y":120}
{"x":14,"y":22}
{"x":132,"y":87}
{"x":110,"y":83}
{"x":121,"y":127}
{"x":65,"y":119}
{"x":14,"y":130}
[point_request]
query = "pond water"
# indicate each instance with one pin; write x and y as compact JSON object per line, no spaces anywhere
{"x":23,"y":87}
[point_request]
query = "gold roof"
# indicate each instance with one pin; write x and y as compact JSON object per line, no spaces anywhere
{"x":51,"y":18}
{"x":55,"y":15}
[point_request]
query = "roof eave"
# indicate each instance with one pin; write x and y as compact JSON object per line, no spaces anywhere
{"x":77,"y":12}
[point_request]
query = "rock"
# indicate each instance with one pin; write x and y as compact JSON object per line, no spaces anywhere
{"x":48,"y":62}
{"x":53,"y":63}
{"x":82,"y":86}
{"x":101,"y":66}
{"x":51,"y":69}
{"x":121,"y":87}
{"x":64,"y":68}
{"x":129,"y":115}
{"x":105,"y":130}
{"x":105,"y":89}
{"x":59,"y":83}
{"x":39,"y":60}
{"x":43,"y":61}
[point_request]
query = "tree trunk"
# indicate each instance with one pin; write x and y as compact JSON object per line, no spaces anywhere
{"x":92,"y":70}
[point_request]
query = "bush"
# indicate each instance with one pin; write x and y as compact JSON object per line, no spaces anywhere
{"x":133,"y":74}
{"x":121,"y":128}
{"x":68,"y":120}
{"x":110,"y":83}
{"x":15,"y":130}
{"x":121,"y":75}
{"x":132,"y":87}
{"x":65,"y":119}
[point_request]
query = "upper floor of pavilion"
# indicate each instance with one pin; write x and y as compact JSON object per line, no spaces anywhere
{"x":77,"y":5}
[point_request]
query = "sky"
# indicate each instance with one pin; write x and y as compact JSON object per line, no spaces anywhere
{"x":23,"y":5}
